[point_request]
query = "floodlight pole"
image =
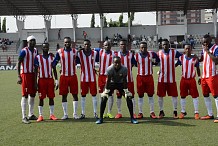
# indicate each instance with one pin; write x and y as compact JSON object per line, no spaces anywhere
{"x":74,"y":21}
{"x":185,"y":27}
{"x":20,"y":26}
{"x":215,"y":22}
{"x":47,"y":22}
{"x":101,"y":26}
{"x":129,"y":27}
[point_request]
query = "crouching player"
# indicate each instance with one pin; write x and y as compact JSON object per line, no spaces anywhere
{"x":116,"y":80}
{"x":43,"y":68}
{"x":188,"y":83}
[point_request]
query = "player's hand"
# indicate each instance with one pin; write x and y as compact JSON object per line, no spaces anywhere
{"x":19,"y":80}
{"x":105,"y":92}
{"x":56,"y":85}
{"x":127,"y":93}
{"x":199,"y":81}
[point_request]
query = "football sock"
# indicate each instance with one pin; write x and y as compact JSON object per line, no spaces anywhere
{"x":174,"y":100}
{"x":183,"y":104}
{"x":110,"y":103}
{"x":51,"y":108}
{"x":140,"y":104}
{"x":216,"y":102}
{"x":23,"y":106}
{"x":160,"y":101}
{"x":102,"y":106}
{"x":31,"y":105}
{"x":208,"y":104}
{"x":119,"y":102}
{"x":40,"y":110}
{"x":83,"y":103}
{"x":95,"y":103}
{"x":130,"y":106}
{"x":75,"y":107}
{"x":64,"y":106}
{"x":134,"y":106}
{"x":151,"y":103}
{"x":196,"y":103}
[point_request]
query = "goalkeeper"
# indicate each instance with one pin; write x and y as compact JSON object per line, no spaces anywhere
{"x":116,"y":80}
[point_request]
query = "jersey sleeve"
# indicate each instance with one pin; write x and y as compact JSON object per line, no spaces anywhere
{"x":157,"y":59}
{"x":178,"y":54}
{"x":22,"y":55}
{"x":56,"y":59}
{"x":97,"y":50}
{"x":216,"y":52}
{"x":133,"y":61}
{"x":36,"y":61}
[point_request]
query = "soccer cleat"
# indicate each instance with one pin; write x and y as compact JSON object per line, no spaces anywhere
{"x":25,"y":120}
{"x":65,"y":117}
{"x":182,"y":115}
{"x":105,"y":116}
{"x":175,"y":115}
{"x":134,"y":121}
{"x":134,"y":116}
{"x":161,"y":115}
{"x":197,"y":117}
{"x":153,"y":116}
{"x":140,"y":116}
{"x":82,"y":116}
{"x":52,"y":117}
{"x":99,"y":121}
{"x":95,"y":115}
{"x":40,"y":118}
{"x":33,"y":117}
{"x":216,"y":120}
{"x":118,"y":116}
{"x":110,"y":116}
{"x":76,"y":117}
{"x":207,"y":117}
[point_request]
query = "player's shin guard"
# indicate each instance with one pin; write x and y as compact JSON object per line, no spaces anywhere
{"x":64,"y":106}
{"x":31,"y":105}
{"x":23,"y":106}
{"x":51,"y":108}
{"x":208,"y":104}
{"x":183,"y":104}
{"x":110,"y":103}
{"x":140,"y":104}
{"x":40,"y":110}
{"x":75,"y":107}
{"x":130,"y":106}
{"x":119,"y":102}
{"x":134,"y":105}
{"x":196,"y":104}
{"x":175,"y":102}
{"x":102,"y":106}
{"x":83,"y":103}
{"x":160,"y":102}
{"x":151,"y":103}
{"x":216,"y":102}
{"x":95,"y":103}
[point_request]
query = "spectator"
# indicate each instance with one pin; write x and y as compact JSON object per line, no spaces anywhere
{"x":84,"y":35}
{"x":9,"y":61}
{"x":59,"y":34}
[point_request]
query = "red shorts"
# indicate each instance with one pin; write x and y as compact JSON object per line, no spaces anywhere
{"x":28,"y":84}
{"x":170,"y":88}
{"x":67,"y":82}
{"x":101,"y":83}
{"x":86,"y":86}
{"x":130,"y":86}
{"x":188,"y":87}
{"x":145,"y":84}
{"x":46,"y":88}
{"x":210,"y":85}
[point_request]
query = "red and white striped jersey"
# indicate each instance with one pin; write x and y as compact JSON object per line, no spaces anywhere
{"x":105,"y":60}
{"x":45,"y":66}
{"x":27,"y":65}
{"x":144,"y":64}
{"x":126,"y":61}
{"x":209,"y":67}
{"x":68,"y":61}
{"x":188,"y":66}
{"x":87,"y":66}
{"x":167,"y":66}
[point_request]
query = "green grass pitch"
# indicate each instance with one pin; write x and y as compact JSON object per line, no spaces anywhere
{"x":167,"y":131}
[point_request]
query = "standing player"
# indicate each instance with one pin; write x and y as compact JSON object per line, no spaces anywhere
{"x":45,"y":85}
{"x":127,"y":60}
{"x":145,"y":81}
{"x":116,"y":80}
{"x":87,"y":58}
{"x":209,"y":79}
{"x":188,"y":84}
{"x":68,"y":78}
{"x":105,"y":59}
{"x":26,"y":77}
{"x":166,"y":79}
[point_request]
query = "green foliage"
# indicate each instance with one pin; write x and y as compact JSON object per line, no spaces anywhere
{"x":132,"y":17}
{"x":4,"y":25}
{"x":104,"y":21}
{"x":93,"y":21}
{"x":120,"y":21}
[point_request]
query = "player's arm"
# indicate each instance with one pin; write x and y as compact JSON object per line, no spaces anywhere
{"x":214,"y":56}
{"x":133,"y":61}
{"x":155,"y":59}
{"x":198,"y":71}
{"x":55,"y":76}
{"x":36,"y":67}
{"x":56,"y":59}
{"x":20,"y":60}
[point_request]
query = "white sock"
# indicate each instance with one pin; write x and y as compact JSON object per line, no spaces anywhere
{"x":64,"y":106}
{"x":134,"y":106}
{"x":95,"y":103}
{"x":40,"y":110}
{"x":83,"y":103}
{"x":75,"y":107}
{"x":175,"y":101}
{"x":119,"y":102}
{"x":216,"y":102}
{"x":160,"y":101}
{"x":140,"y":104}
{"x":51,"y":108}
{"x":183,"y":104}
{"x":151,"y":103}
{"x":208,"y":104}
{"x":110,"y":103}
{"x":196,"y":103}
{"x":23,"y":106}
{"x":31,"y":105}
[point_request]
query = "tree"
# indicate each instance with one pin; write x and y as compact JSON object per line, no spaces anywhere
{"x":93,"y":20}
{"x":105,"y":21}
{"x":120,"y":21}
{"x":4,"y":25}
{"x":132,"y":17}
